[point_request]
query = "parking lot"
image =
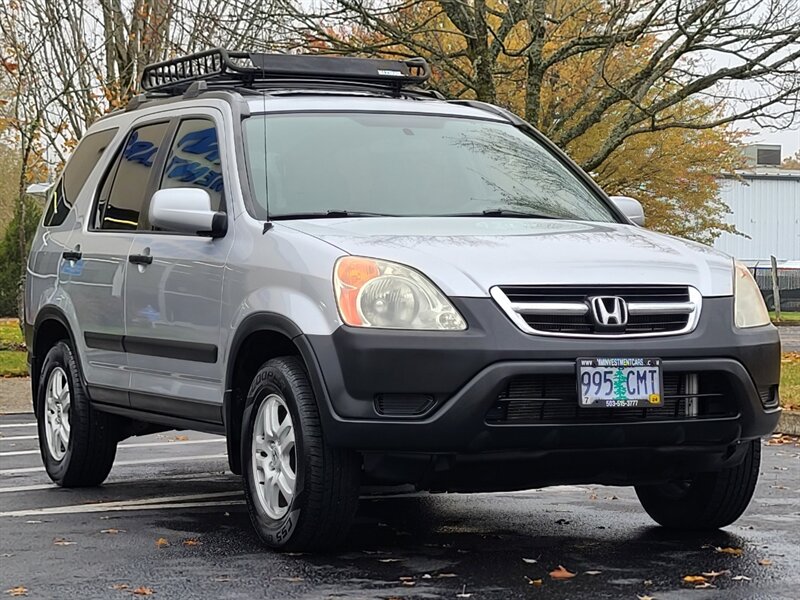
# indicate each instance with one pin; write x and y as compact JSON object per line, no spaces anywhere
{"x":170,"y":522}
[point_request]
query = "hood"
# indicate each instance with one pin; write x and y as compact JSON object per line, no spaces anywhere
{"x":467,"y":256}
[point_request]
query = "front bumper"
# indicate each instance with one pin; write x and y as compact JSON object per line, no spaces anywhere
{"x":463,"y":373}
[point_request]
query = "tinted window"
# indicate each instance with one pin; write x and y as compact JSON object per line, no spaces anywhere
{"x":75,"y":174}
{"x":401,"y":164}
{"x":194,"y":160}
{"x":125,"y":190}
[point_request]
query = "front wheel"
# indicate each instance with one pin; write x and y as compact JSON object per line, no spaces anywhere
{"x":704,"y":500}
{"x":301,"y":493}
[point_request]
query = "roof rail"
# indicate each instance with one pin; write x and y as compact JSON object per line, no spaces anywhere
{"x":220,"y":68}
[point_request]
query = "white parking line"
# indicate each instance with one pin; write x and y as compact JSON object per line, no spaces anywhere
{"x":202,"y":476}
{"x":140,"y":504}
{"x":136,"y":445}
{"x":3,"y":425}
{"x":124,"y":463}
{"x":18,"y":438}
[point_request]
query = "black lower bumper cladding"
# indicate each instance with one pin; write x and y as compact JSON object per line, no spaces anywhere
{"x":456,"y":378}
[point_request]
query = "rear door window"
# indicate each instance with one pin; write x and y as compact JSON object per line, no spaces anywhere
{"x":124,"y":192}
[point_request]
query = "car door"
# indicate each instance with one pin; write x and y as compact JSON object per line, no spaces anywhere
{"x":174,"y":289}
{"x":93,"y":270}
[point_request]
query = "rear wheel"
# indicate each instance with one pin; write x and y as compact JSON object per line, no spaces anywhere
{"x":705,"y":500}
{"x":78,"y":444}
{"x":302,"y":494}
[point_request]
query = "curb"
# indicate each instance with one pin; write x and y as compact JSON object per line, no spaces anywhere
{"x":789,"y":423}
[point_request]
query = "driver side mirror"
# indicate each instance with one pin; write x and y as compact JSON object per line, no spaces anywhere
{"x":631,"y":208}
{"x":187,"y":210}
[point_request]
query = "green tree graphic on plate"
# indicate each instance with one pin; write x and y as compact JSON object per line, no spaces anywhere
{"x":620,"y":387}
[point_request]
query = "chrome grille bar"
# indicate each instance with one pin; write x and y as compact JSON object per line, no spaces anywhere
{"x":566,"y":316}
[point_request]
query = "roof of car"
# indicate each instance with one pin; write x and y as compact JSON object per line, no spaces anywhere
{"x":315,"y":102}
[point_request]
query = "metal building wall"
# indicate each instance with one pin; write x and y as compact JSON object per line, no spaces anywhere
{"x":767,"y":209}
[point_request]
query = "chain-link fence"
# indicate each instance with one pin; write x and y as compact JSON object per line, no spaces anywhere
{"x":788,"y":284}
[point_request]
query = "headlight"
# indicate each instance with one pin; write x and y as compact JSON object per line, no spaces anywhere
{"x":749,"y":307}
{"x":378,"y":293}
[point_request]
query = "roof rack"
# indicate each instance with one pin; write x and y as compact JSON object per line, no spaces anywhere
{"x":220,"y":68}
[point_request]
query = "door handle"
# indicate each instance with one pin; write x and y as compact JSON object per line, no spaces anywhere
{"x":140,"y":259}
{"x":71,"y":255}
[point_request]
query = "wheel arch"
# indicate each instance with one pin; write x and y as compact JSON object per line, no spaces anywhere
{"x":258,"y":338}
{"x":51,"y":326}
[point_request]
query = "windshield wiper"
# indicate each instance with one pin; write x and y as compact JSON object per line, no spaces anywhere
{"x":329,"y":214}
{"x":503,"y":212}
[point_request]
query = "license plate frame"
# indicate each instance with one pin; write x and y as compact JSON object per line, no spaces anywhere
{"x":615,"y":384}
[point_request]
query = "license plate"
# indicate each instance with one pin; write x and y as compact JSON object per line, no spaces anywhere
{"x":619,"y":382}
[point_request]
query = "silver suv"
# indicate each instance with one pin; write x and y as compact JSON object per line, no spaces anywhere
{"x":360,"y":282}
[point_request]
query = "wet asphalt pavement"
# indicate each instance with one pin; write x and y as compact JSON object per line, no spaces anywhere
{"x":790,"y":338}
{"x":102,"y":543}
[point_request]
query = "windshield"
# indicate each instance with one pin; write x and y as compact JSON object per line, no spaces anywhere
{"x":334,"y":164}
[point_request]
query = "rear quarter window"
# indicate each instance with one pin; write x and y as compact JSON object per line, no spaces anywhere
{"x":74,"y":176}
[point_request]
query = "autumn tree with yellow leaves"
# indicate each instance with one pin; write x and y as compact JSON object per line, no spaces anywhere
{"x":643,"y":94}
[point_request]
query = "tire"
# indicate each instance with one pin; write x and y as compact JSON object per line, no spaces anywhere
{"x":78,"y":444}
{"x":706,"y":500}
{"x":318,"y":513}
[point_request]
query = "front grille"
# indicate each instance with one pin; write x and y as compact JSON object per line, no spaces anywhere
{"x":567,"y":310}
{"x":554,"y":399}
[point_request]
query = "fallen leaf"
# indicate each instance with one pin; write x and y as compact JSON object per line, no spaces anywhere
{"x":530,"y":561}
{"x":112,"y":531}
{"x":33,"y":522}
{"x":704,"y":585}
{"x":18,"y":591}
{"x":780,"y":440}
{"x":715,"y":574}
{"x":561,"y":573}
{"x":291,"y":579}
{"x":222,"y":578}
{"x":120,"y":586}
{"x":648,"y":582}
{"x":694,"y":579}
{"x":443,"y":575}
{"x":741,"y":578}
{"x":535,"y":582}
{"x":426,"y":576}
{"x":645,"y":597}
{"x":181,"y":438}
{"x":390,"y":560}
{"x":593,"y":572}
{"x":765,"y":562}
{"x":562,"y":522}
{"x":409,"y":583}
{"x":143,"y":591}
{"x":62,"y":542}
{"x":192,"y":542}
{"x":161,"y":542}
{"x":731,"y":551}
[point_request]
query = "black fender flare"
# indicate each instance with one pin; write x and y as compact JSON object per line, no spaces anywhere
{"x":270,"y":322}
{"x":50,"y":313}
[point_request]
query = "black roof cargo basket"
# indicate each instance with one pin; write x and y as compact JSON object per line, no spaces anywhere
{"x":220,"y":68}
